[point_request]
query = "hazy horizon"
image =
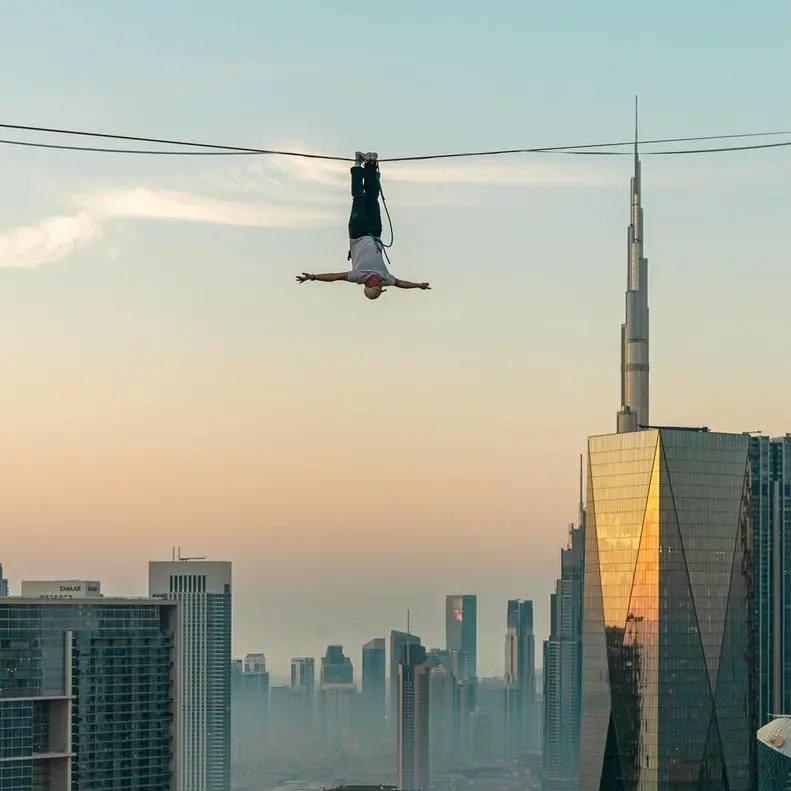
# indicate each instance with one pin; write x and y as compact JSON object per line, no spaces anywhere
{"x":167,"y":382}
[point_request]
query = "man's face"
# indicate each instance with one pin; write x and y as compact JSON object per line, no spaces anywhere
{"x":375,"y":281}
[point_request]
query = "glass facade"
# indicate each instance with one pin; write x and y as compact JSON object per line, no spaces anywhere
{"x":770,"y":461}
{"x":461,"y":631}
{"x":668,"y":639}
{"x":374,"y":684}
{"x":86,"y":696}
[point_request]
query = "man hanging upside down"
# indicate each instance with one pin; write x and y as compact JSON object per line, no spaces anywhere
{"x":365,"y":231}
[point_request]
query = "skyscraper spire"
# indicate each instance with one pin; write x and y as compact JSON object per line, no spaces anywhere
{"x":633,"y":413}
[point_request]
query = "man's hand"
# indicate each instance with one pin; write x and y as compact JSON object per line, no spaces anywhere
{"x":327,"y":278}
{"x":409,"y":284}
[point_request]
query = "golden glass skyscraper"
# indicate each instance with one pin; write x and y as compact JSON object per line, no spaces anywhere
{"x":668,"y":627}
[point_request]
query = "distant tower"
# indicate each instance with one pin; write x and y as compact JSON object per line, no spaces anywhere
{"x":336,"y":695}
{"x":374,"y":681}
{"x":303,"y":673}
{"x":634,"y":331}
{"x":413,"y":719}
{"x":397,"y":642}
{"x":563,"y":663}
{"x":3,"y":583}
{"x":461,"y":631}
{"x":204,"y":672}
{"x":255,"y":663}
{"x":520,"y":678}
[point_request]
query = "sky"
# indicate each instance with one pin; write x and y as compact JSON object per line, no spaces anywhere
{"x":166,"y":382}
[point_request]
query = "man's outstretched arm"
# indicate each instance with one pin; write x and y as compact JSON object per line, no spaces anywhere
{"x":327,"y":278}
{"x":409,"y":284}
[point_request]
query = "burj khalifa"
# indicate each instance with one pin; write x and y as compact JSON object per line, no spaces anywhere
{"x":633,"y":414}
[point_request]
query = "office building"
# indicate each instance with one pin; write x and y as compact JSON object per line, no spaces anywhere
{"x":336,"y":667}
{"x":490,"y":724}
{"x":337,"y":695}
{"x":442,"y":730}
{"x":668,"y":685}
{"x":62,"y":589}
{"x":3,"y":582}
{"x":440,"y":657}
{"x":461,"y":631}
{"x":413,"y":719}
{"x":774,"y":755}
{"x":770,"y":461}
{"x":291,"y":706}
{"x":88,"y":694}
{"x":255,"y":663}
{"x":303,"y":672}
{"x":397,"y":642}
{"x":520,"y":679}
{"x":204,"y":590}
{"x":374,"y":681}
{"x":337,"y":706}
{"x":249,"y":697}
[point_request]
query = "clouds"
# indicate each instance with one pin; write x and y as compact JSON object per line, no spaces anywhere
{"x":48,"y":241}
{"x":57,"y":237}
{"x":150,"y":204}
{"x":497,"y":171}
{"x":279,"y":197}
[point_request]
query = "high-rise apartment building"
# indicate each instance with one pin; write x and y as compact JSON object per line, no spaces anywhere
{"x":413,"y":719}
{"x":563,"y":668}
{"x":461,"y":631}
{"x":520,"y":678}
{"x":303,"y":673}
{"x":668,"y":681}
{"x":3,"y":583}
{"x":770,"y":461}
{"x":88,"y":694}
{"x":203,"y":589}
{"x":374,"y":682}
{"x":397,"y":642}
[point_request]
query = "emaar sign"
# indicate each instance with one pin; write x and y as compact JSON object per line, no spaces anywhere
{"x":62,"y":589}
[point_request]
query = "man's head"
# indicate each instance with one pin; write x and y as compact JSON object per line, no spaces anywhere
{"x":373,"y":287}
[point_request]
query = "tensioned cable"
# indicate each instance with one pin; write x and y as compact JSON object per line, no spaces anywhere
{"x":163,"y":141}
{"x":150,"y":152}
{"x":679,"y":151}
{"x":585,"y":150}
{"x":219,"y":150}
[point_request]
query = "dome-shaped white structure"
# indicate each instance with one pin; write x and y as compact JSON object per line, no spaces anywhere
{"x":774,"y":755}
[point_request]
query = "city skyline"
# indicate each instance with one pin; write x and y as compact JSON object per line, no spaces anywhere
{"x":164,"y":377}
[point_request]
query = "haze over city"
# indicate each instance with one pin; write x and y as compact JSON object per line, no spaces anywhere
{"x":167,"y":383}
